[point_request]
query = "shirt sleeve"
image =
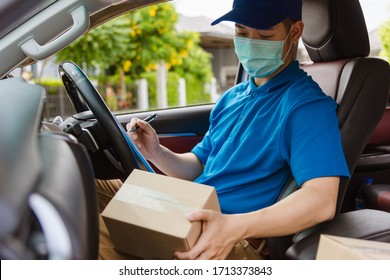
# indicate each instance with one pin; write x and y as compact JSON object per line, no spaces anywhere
{"x":203,"y":148}
{"x":312,"y":143}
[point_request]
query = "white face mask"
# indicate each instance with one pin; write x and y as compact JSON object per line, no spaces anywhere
{"x":260,"y":58}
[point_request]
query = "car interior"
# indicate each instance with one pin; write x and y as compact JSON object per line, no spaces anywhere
{"x":48,"y":202}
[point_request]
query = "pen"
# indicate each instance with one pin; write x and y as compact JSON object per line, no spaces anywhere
{"x":147,"y":119}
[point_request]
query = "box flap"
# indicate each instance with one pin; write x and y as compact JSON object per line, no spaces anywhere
{"x":335,"y":247}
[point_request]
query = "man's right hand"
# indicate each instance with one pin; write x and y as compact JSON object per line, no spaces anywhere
{"x":184,"y":165}
{"x":144,"y":137}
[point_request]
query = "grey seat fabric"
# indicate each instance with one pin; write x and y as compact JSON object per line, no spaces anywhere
{"x":336,"y":39}
{"x":20,"y":167}
{"x":67,"y":184}
{"x":48,"y":206}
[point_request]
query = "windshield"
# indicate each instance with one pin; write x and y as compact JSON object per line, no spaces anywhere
{"x":15,"y":12}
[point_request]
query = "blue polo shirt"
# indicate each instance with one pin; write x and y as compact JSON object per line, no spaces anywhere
{"x":261,"y":136}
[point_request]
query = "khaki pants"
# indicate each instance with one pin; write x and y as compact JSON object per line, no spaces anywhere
{"x":242,"y":250}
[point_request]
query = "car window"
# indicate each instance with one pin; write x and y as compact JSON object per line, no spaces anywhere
{"x":151,"y":58}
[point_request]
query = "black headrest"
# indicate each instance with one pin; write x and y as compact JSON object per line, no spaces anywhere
{"x":334,"y":29}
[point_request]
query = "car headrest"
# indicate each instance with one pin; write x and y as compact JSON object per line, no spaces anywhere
{"x":334,"y":30}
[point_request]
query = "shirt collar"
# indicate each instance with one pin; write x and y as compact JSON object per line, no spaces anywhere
{"x":279,"y":80}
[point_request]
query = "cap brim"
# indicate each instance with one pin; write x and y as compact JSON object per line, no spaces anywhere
{"x":254,"y":18}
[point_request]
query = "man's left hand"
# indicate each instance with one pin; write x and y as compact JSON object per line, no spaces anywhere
{"x":217,"y":238}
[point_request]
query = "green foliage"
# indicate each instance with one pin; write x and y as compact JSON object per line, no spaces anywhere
{"x":153,"y":38}
{"x":100,"y":48}
{"x":51,"y":85}
{"x":112,"y":80}
{"x":50,"y":82}
{"x":135,"y":43}
{"x":196,"y":64}
{"x":195,"y":89}
{"x":384,"y":34}
{"x":172,"y":86}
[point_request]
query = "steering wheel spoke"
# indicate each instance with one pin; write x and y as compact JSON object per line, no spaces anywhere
{"x":85,"y":97}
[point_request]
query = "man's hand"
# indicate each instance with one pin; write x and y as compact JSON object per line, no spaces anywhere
{"x":179,"y":165}
{"x":219,"y":234}
{"x":144,"y":137}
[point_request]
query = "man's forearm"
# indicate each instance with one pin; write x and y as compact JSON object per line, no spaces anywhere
{"x":184,"y":166}
{"x":306,"y":207}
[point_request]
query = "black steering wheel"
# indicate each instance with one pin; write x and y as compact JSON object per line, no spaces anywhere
{"x":76,"y":82}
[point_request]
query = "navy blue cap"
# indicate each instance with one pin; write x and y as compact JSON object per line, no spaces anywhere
{"x":262,"y":14}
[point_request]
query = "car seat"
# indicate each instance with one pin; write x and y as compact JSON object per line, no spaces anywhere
{"x":336,"y":39}
{"x":48,"y":205}
{"x":373,"y":167}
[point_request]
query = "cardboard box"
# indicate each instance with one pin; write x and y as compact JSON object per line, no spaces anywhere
{"x":147,"y":216}
{"x":341,"y":248}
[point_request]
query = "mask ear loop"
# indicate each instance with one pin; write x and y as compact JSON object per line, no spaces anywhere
{"x":289,"y":49}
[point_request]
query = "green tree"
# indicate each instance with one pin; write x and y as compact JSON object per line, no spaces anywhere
{"x":384,"y":34}
{"x":154,"y":38}
{"x":135,"y":43}
{"x":102,"y":47}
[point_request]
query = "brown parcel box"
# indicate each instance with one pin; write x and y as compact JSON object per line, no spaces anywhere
{"x":147,"y":216}
{"x":342,"y":248}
